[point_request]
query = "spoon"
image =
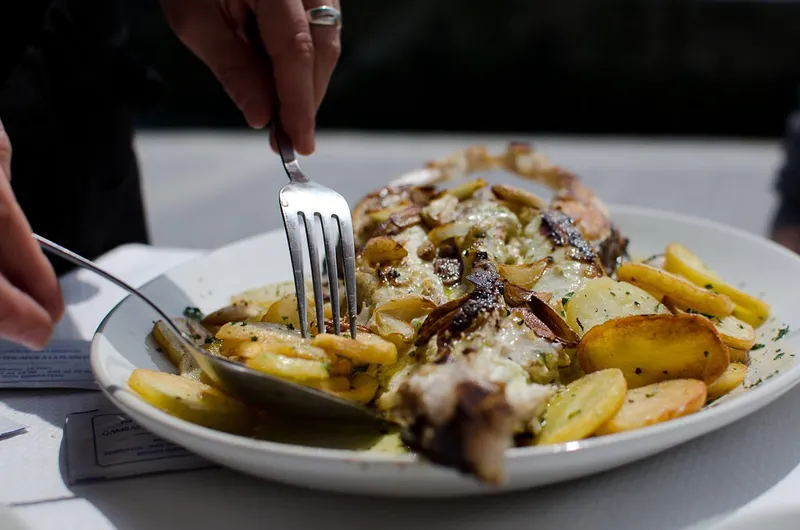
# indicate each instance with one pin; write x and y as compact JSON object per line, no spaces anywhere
{"x":252,"y":386}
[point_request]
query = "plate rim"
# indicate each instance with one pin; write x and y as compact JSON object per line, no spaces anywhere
{"x":766,"y":393}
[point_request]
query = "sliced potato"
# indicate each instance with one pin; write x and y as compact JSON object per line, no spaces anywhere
{"x":653,"y":348}
{"x":746,"y":315}
{"x":267,"y":295}
{"x":730,"y":379}
{"x":656,"y":403}
{"x":661,"y":282}
{"x":739,"y":356}
{"x":440,"y":211}
{"x":248,"y":350}
{"x":582,"y":406}
{"x":284,"y":312}
{"x":341,"y":366}
{"x":365,"y":349}
{"x":364,"y":388}
{"x":680,"y":260}
{"x":519,"y":196}
{"x":383,"y":248}
{"x":288,"y":367}
{"x":191,"y":400}
{"x":467,"y":189}
{"x":262,"y":331}
{"x":735,"y":333}
{"x":603,"y":299}
{"x":442,"y":233}
{"x":234,"y":313}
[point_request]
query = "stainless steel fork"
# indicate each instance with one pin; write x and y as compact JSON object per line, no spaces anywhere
{"x":304,"y":205}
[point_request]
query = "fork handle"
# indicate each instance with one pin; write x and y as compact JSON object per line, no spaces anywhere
{"x":285,"y":145}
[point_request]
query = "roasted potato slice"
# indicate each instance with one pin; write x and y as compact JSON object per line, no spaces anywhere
{"x":267,"y":295}
{"x":467,"y":189}
{"x":240,"y":312}
{"x":656,"y":403}
{"x":365,"y":349}
{"x":440,"y":211}
{"x":746,"y":315}
{"x":604,"y":299}
{"x":519,"y":196}
{"x":660,"y":282}
{"x":680,"y":260}
{"x":396,"y":331}
{"x":729,"y":380}
{"x":739,"y":356}
{"x":191,"y":401}
{"x":735,"y":333}
{"x":244,"y":350}
{"x":447,"y":231}
{"x":653,"y":348}
{"x":284,"y":312}
{"x":293,"y":368}
{"x":382,"y":249}
{"x":364,"y":388}
{"x":582,"y":406}
{"x":262,"y":331}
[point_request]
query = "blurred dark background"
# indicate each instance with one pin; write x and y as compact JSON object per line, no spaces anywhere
{"x":655,"y":67}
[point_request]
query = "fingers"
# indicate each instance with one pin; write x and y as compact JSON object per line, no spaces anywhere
{"x":22,"y":262}
{"x":5,"y":154}
{"x":287,"y":38}
{"x":327,"y":48}
{"x":22,"y":320}
{"x":210,"y":32}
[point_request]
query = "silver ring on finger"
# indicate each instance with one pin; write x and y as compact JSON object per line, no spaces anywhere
{"x":325,"y":16}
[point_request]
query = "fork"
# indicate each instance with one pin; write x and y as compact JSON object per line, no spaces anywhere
{"x":305,"y":204}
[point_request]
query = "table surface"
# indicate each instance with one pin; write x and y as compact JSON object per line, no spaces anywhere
{"x":205,"y":190}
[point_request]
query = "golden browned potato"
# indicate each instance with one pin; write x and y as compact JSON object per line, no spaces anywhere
{"x":739,"y":356}
{"x":680,"y":260}
{"x":603,"y":299}
{"x":283,"y":366}
{"x":244,"y":350}
{"x":365,"y":349}
{"x":284,"y":312}
{"x":364,"y":388}
{"x":191,"y":400}
{"x":396,"y":331}
{"x":735,"y":333}
{"x":653,"y":348}
{"x":383,"y":248}
{"x":662,"y":283}
{"x":730,"y":379}
{"x":267,"y":295}
{"x":656,"y":403}
{"x":582,"y":406}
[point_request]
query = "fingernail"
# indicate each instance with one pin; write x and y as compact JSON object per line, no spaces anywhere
{"x":36,"y":338}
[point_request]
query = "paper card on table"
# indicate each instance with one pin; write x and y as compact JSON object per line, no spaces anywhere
{"x":8,"y":427}
{"x":107,"y":444}
{"x":63,"y":364}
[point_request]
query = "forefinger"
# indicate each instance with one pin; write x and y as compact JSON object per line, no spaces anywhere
{"x":287,"y":39}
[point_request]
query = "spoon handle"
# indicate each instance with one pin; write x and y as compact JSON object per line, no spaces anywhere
{"x":58,"y":250}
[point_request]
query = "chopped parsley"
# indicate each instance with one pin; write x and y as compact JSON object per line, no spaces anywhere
{"x":705,"y":354}
{"x":254,"y":339}
{"x":193,"y":313}
{"x":756,"y":346}
{"x":580,"y":325}
{"x":566,"y":298}
{"x":637,"y":304}
{"x":778,"y":356}
{"x":781,"y":333}
{"x":651,"y":394}
{"x":573,"y":414}
{"x":692,"y":311}
{"x":290,"y":326}
{"x":709,"y":286}
{"x":638,"y":371}
{"x":612,"y":293}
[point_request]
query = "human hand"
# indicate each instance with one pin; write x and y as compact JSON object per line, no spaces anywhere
{"x":30,"y":296}
{"x":303,"y":58}
{"x":787,"y":236}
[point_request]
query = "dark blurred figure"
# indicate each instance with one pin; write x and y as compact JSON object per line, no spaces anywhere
{"x":68,"y":91}
{"x":786,"y":224}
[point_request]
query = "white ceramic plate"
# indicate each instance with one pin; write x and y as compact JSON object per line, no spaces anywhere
{"x":120,"y":345}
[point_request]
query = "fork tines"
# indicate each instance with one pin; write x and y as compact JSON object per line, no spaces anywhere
{"x":305,"y":205}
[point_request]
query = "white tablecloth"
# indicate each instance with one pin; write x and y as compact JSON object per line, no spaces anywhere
{"x":749,"y":466}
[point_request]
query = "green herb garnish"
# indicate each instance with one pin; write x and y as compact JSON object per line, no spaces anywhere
{"x":193,"y":313}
